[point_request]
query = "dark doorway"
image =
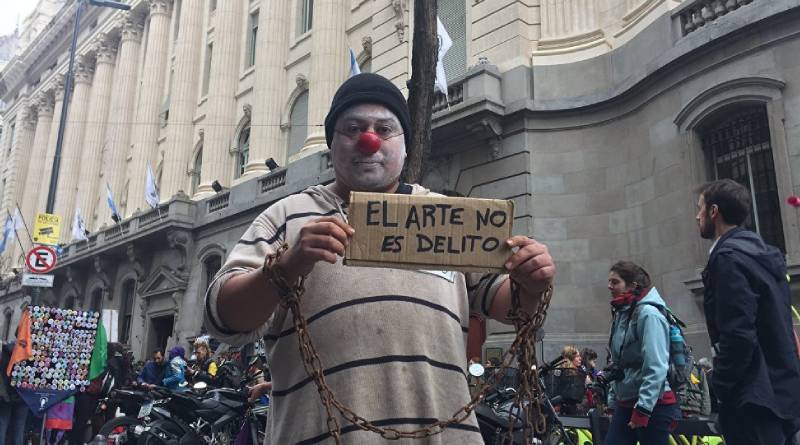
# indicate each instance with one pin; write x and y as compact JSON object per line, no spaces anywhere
{"x":160,"y":332}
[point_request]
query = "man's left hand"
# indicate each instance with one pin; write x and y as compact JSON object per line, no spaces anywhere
{"x":531,"y":265}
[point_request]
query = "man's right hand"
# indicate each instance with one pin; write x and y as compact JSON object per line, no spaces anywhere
{"x":322,"y":239}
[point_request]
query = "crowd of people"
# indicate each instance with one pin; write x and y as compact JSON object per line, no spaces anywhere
{"x":92,"y":407}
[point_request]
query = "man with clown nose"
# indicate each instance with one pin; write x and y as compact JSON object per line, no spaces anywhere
{"x":391,"y":342}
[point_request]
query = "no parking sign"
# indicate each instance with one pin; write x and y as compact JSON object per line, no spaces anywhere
{"x":41,"y":259}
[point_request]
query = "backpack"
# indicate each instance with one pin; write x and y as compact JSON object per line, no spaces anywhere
{"x":101,"y":385}
{"x":681,"y":361}
{"x":695,"y":399}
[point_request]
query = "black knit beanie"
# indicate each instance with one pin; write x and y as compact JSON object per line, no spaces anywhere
{"x":368,"y":88}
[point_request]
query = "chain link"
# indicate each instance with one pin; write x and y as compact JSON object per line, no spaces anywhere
{"x":528,"y":399}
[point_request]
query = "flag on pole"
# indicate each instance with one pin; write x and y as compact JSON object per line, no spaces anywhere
{"x":111,"y":205}
{"x":78,"y":226}
{"x":150,"y":189}
{"x":23,"y":348}
{"x":97,"y":364}
{"x":8,"y":233}
{"x":445,"y":42}
{"x":354,"y":68}
{"x":19,"y":222}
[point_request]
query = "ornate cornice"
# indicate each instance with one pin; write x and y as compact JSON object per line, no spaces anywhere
{"x":44,"y":104}
{"x":160,"y":7}
{"x":83,"y":70}
{"x":105,"y":50}
{"x":366,"y":43}
{"x":58,"y":87}
{"x":132,"y":27}
{"x":28,"y":118}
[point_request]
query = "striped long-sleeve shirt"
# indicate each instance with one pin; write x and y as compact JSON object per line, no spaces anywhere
{"x":392,"y":342}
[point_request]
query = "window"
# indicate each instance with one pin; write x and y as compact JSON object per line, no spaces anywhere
{"x":739,"y":148}
{"x":212,"y":5}
{"x":212,"y":265}
{"x":298,"y":124}
{"x":126,"y":310}
{"x":305,"y":16}
{"x":7,"y":326}
{"x":252,"y":40}
{"x":97,"y":301}
{"x":207,"y":69}
{"x":69,"y":303}
{"x":453,"y":14}
{"x":198,"y":165}
{"x":244,"y":151}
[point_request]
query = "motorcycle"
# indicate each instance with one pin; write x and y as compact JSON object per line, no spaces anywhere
{"x":207,"y":416}
{"x":497,"y":412}
{"x":140,"y":407}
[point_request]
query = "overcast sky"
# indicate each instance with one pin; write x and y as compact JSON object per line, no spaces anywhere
{"x":13,"y":10}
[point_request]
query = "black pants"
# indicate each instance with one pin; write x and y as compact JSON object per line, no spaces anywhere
{"x":755,"y":425}
{"x":656,"y":432}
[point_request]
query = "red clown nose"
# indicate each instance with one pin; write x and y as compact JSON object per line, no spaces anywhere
{"x":368,"y":143}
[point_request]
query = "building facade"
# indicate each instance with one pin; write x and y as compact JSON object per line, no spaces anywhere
{"x":598,"y":118}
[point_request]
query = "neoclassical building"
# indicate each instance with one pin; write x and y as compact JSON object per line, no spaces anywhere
{"x":598,"y":118}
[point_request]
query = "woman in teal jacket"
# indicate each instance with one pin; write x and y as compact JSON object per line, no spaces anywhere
{"x":644,"y":407}
{"x":175,"y":374}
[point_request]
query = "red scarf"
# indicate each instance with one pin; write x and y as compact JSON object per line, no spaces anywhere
{"x":628,"y":298}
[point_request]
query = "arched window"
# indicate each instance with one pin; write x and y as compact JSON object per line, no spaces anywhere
{"x":298,"y":124}
{"x":198,"y":166}
{"x":738,"y":146}
{"x":126,"y":310}
{"x":243,"y":156}
{"x":212,"y":264}
{"x":96,"y":303}
{"x":7,"y":325}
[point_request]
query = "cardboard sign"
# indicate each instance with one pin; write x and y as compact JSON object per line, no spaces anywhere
{"x":429,"y":232}
{"x":47,"y":229}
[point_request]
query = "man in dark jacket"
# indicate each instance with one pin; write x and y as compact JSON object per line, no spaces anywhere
{"x":756,"y":372}
{"x":153,"y":372}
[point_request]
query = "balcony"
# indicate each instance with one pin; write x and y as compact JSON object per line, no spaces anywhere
{"x":693,"y":15}
{"x":178,"y":212}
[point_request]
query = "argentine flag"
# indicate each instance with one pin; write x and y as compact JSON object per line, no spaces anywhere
{"x":111,"y":205}
{"x":354,"y":68}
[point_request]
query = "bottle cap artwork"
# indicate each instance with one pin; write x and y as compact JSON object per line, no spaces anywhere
{"x":62,"y":341}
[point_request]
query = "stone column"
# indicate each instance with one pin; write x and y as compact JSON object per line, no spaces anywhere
{"x":95,"y":130}
{"x":566,"y":18}
{"x":272,"y":50}
{"x":183,"y":102}
{"x":67,"y":190}
{"x":16,"y":165}
{"x":58,"y":93}
{"x":35,"y":179}
{"x":329,"y":66}
{"x":17,"y":156}
{"x":221,"y":106}
{"x":118,"y":128}
{"x":151,"y":96}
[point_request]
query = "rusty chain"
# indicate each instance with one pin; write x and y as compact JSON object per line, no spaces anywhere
{"x":527,"y":400}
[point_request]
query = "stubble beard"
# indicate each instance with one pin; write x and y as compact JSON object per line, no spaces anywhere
{"x":707,"y":230}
